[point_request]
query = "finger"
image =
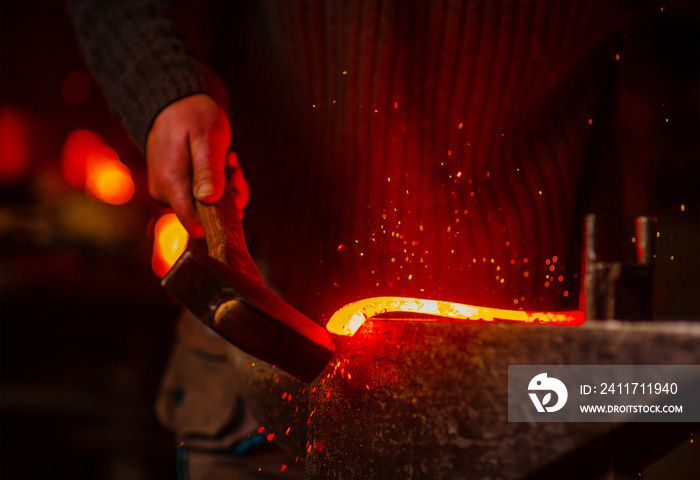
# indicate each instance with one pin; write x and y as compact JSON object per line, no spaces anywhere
{"x":208,"y":150}
{"x":238,"y":182}
{"x":169,"y":176}
{"x":174,"y":191}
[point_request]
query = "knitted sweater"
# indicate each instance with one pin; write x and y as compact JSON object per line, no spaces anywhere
{"x":431,"y":149}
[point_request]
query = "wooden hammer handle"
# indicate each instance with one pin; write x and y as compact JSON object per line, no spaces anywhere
{"x":223,"y":231}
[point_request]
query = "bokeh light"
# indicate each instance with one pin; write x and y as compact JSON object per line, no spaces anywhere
{"x":107,"y":179}
{"x":74,"y":157}
{"x":86,"y":162}
{"x":15,"y":157}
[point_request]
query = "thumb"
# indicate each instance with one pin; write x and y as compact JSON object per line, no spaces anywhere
{"x":208,"y":149}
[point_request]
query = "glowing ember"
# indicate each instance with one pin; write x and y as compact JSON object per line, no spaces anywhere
{"x":350,"y":318}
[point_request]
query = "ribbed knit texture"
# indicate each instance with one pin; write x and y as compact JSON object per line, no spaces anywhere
{"x":429,"y":149}
{"x":139,"y":60}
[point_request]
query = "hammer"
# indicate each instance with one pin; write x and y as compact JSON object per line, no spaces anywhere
{"x":225,"y":291}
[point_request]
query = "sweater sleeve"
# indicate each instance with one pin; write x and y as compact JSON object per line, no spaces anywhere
{"x":139,"y":60}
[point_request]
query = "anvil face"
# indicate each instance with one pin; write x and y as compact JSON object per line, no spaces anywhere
{"x":434,"y":395}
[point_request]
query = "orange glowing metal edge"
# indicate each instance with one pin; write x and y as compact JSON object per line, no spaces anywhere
{"x":350,"y":318}
{"x":170,"y":241}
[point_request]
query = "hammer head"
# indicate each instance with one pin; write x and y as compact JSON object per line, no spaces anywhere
{"x":243,"y":311}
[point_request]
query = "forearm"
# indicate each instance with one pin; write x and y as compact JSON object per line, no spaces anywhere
{"x":139,"y":60}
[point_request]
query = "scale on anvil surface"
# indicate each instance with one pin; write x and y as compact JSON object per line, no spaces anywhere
{"x":428,"y":399}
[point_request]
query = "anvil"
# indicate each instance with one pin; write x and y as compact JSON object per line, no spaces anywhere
{"x":428,"y":400}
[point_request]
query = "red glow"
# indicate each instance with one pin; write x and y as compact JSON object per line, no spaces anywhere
{"x":74,"y":158}
{"x":15,"y":156}
{"x":170,"y":240}
{"x":86,"y":162}
{"x":107,"y":179}
{"x":350,"y":318}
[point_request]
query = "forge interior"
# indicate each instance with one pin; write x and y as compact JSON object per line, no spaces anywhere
{"x":438,"y":150}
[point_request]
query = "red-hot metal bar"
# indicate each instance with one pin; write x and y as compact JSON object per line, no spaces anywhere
{"x":348,"y":319}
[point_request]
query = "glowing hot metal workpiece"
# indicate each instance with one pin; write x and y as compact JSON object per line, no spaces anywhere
{"x":350,"y":318}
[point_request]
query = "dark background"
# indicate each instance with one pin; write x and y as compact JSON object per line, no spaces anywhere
{"x":85,"y":327}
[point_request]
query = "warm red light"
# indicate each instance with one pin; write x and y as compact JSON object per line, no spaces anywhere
{"x":74,"y":158}
{"x":350,"y":318}
{"x":107,"y":179}
{"x":15,"y":157}
{"x":86,"y":162}
{"x":170,"y":241}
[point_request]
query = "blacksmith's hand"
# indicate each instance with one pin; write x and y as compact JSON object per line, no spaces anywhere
{"x":188,"y":159}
